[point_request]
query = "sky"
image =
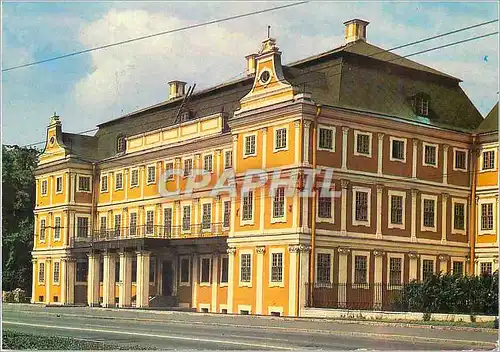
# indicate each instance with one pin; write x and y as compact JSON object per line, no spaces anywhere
{"x":89,"y":89}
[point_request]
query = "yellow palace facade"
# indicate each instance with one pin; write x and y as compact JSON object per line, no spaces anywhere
{"x":414,"y":181}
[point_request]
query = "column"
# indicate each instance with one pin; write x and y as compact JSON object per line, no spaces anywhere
{"x":111,"y":185}
{"x":215,"y":281}
{"x":264,"y":147}
{"x":343,"y":211}
{"x":125,"y":288}
{"x":34,"y":280}
{"x":443,"y":263}
{"x":126,"y":183}
{"x":306,"y":148}
{"x":108,"y":281}
{"x":93,"y":280}
{"x":72,"y":191}
{"x":142,"y":288}
{"x":231,"y":251}
{"x":66,"y":178}
{"x":380,"y":153}
{"x":235,"y":155}
{"x":378,"y":233}
{"x":444,"y":218}
{"x":49,"y":230}
{"x":414,"y":158}
{"x":297,"y":142}
{"x":47,"y":281}
{"x":63,"y":272}
{"x":70,"y":280}
{"x":345,"y":130}
{"x":259,"y":279}
{"x":194,"y":282}
{"x":414,"y":196}
{"x":377,"y":270}
{"x":342,"y":288}
{"x":218,"y":221}
{"x":292,"y":281}
{"x":141,"y":180}
{"x":445,"y":163}
{"x":218,"y":167}
{"x":304,"y":277}
{"x":413,"y":267}
{"x":50,"y":188}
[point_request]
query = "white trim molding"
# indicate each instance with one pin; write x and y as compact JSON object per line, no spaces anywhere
{"x":405,"y":143}
{"x":245,"y":135}
{"x":390,"y":225}
{"x":244,"y":283}
{"x":282,"y":252}
{"x":370,"y":140}
{"x":436,"y":156}
{"x":331,"y":219}
{"x":246,"y":307}
{"x":326,"y":127}
{"x":455,"y":150}
{"x":481,"y":157}
{"x":355,"y":222}
{"x":275,"y":132}
{"x":200,"y":261}
{"x":366,"y":254}
{"x":435,"y":199}
{"x":330,"y":252}
{"x":389,"y":257}
{"x":453,"y":202}
{"x":274,"y":309}
{"x":427,"y":257}
{"x":481,"y":201}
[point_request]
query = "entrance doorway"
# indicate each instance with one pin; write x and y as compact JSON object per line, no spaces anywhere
{"x":168,"y":281}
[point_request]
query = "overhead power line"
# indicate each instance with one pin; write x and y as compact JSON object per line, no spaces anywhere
{"x":155,"y":35}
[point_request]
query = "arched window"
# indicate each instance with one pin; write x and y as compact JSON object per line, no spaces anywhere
{"x":120,"y":144}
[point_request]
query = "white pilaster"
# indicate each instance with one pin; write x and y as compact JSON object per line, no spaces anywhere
{"x":380,"y":189}
{"x":194,"y":282}
{"x":343,"y":212}
{"x":292,"y":281}
{"x":304,"y":277}
{"x":215,"y":281}
{"x":297,"y":143}
{"x":142,"y":288}
{"x":141,"y":180}
{"x":70,"y":280}
{"x":62,"y":279}
{"x":259,"y":279}
{"x":345,"y":131}
{"x":413,"y":267}
{"x":378,"y":269}
{"x":306,"y":147}
{"x":264,"y":148}
{"x":444,"y":218}
{"x":125,"y":289}
{"x":47,"y":280}
{"x":126,"y":182}
{"x":34,"y":281}
{"x":445,"y":163}
{"x":108,"y":281}
{"x":443,"y":263}
{"x":414,"y":158}
{"x":230,"y":277}
{"x":66,"y":179}
{"x":235,"y":156}
{"x":414,"y":195}
{"x":93,"y":280}
{"x":380,"y":153}
{"x":72,"y":189}
{"x":342,"y":288}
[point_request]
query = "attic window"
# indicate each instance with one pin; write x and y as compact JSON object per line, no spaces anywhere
{"x":120,"y":144}
{"x":422,"y":105}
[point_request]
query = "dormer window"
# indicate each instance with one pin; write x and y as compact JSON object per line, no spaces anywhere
{"x":422,"y":105}
{"x":120,"y":144}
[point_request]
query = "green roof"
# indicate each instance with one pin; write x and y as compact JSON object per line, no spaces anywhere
{"x":490,"y":123}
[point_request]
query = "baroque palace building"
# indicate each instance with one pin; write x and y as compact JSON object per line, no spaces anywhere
{"x":414,"y":173}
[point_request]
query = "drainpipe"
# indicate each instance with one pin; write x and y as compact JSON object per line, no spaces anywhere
{"x":472,"y":211}
{"x":313,"y":209}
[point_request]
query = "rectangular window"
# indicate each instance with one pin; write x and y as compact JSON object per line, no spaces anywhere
{"x":82,"y":269}
{"x":228,"y":159}
{"x":118,"y":181}
{"x":429,"y":216}
{"x":151,"y":174}
{"x":422,"y":106}
{"x":134,"y":178}
{"x":248,"y":205}
{"x":206,"y":216}
{"x":227,"y":213}
{"x":186,"y":218}
{"x":84,"y":183}
{"x":323,"y":268}
{"x":167,"y":221}
{"x":59,"y":184}
{"x":487,"y":216}
{"x":205,"y":271}
{"x":169,"y":171}
{"x":246,"y":267}
{"x":57,"y":228}
{"x":486,"y":268}
{"x":188,"y":167}
{"x":361,"y":206}
{"x":326,"y":138}
{"x":150,"y":221}
{"x":44,"y":188}
{"x":118,"y":224}
{"x":277,"y":267}
{"x":430,"y":152}
{"x":360,"y":269}
{"x":224,"y":270}
{"x":184,"y":270}
{"x":489,"y":160}
{"x":459,"y":216}
{"x":398,"y":150}
{"x":104,"y":183}
{"x":207,"y":163}
{"x":279,"y":203}
{"x":324,"y":207}
{"x":103,"y":225}
{"x":280,"y":139}
{"x":427,"y":269}
{"x":250,"y":145}
{"x":41,"y":272}
{"x":133,"y":224}
{"x":458,"y":268}
{"x":82,"y":227}
{"x":395,"y":271}
{"x":363,"y":144}
{"x":56,"y":272}
{"x":460,"y":160}
{"x":42,"y":230}
{"x":396,"y":210}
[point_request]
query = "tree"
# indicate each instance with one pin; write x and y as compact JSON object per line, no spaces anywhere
{"x":18,"y":198}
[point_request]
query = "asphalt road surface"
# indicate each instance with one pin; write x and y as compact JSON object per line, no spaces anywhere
{"x":180,"y":330}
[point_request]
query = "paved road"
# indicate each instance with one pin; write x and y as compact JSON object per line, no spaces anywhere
{"x":178,"y":330}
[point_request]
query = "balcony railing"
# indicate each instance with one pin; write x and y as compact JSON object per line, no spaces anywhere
{"x":159,"y":231}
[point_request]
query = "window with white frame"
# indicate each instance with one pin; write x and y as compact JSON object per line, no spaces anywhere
{"x":42,"y":230}
{"x":460,"y":159}
{"x":150,"y":218}
{"x":186,"y":218}
{"x":486,"y":268}
{"x":360,"y":269}
{"x":486,"y":216}
{"x":118,"y":224}
{"x":429,"y":213}
{"x":206,"y":219}
{"x":41,"y":272}
{"x":430,"y":155}
{"x":227,"y":214}
{"x":279,"y":203}
{"x":104,"y":183}
{"x":427,"y":268}
{"x":276,"y":267}
{"x":458,"y":268}
{"x":167,"y":221}
{"x":323,"y":268}
{"x":228,"y":159}
{"x":188,"y":167}
{"x":324,"y":207}
{"x":361,"y":205}
{"x":151,"y":174}
{"x":224,"y":268}
{"x":326,"y":138}
{"x":247,"y":213}
{"x":207,"y":163}
{"x":82,"y":226}
{"x":56,"y":272}
{"x":250,"y":145}
{"x":103,"y":225}
{"x":205,"y":271}
{"x":363,"y":143}
{"x":488,"y":160}
{"x":245,"y":267}
{"x":84,"y":183}
{"x":44,"y":187}
{"x":184,"y":270}
{"x":459,"y":216}
{"x":134,"y":178}
{"x":397,"y":205}
{"x":280,"y":139}
{"x":57,"y":228}
{"x":169,"y":171}
{"x":120,"y":144}
{"x":395,"y":270}
{"x":133,"y":224}
{"x":59,"y":184}
{"x":118,"y":181}
{"x":398,"y":149}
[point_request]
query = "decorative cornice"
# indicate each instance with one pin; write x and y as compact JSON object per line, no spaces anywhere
{"x":413,"y":255}
{"x":298,"y":248}
{"x":260,"y":250}
{"x":378,"y":253}
{"x":343,"y":250}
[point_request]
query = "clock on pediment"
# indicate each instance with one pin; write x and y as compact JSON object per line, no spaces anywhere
{"x":265,"y":77}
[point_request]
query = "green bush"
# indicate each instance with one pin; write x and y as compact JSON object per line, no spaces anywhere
{"x":451,"y":294}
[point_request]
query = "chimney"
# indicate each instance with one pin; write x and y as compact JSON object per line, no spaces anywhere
{"x":251,"y":64}
{"x":355,"y":30}
{"x":176,"y":89}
